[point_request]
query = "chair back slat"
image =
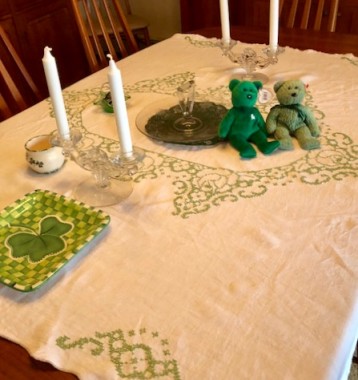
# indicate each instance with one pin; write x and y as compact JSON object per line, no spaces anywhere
{"x":18,"y":90}
{"x":281,"y":4}
{"x":104,"y":30}
{"x":307,"y":14}
{"x":103,"y":18}
{"x":319,"y":14}
{"x":127,"y":6}
{"x":5,"y":111}
{"x":111,"y":26}
{"x":92,"y":14}
{"x":332,"y":17}
{"x":292,"y":14}
{"x":126,"y":28}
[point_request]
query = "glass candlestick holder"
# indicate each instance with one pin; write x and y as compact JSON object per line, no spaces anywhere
{"x":111,"y":179}
{"x":69,"y":144}
{"x":129,"y":162}
{"x":109,"y":183}
{"x":250,"y":60}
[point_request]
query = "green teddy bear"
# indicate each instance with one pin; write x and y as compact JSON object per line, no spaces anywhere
{"x":291,"y":118}
{"x":243,"y":124}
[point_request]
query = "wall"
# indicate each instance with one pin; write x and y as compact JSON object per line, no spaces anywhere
{"x":162,"y":15}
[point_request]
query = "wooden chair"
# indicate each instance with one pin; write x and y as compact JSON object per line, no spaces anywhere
{"x":138,"y":24}
{"x":17,"y":89}
{"x":308,"y":14}
{"x":355,"y":356}
{"x":104,"y":29}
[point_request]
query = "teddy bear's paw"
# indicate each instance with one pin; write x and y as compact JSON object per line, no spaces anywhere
{"x":270,"y":132}
{"x":286,"y":144}
{"x":248,"y":152}
{"x":269,"y":147}
{"x":315,"y":132}
{"x":309,"y":144}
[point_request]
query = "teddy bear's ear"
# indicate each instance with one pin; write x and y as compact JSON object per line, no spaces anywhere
{"x":233,"y":83}
{"x":257,"y":84}
{"x":277,"y":85}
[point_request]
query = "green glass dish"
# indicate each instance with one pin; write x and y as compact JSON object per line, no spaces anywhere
{"x":40,"y":233}
{"x":158,"y":121}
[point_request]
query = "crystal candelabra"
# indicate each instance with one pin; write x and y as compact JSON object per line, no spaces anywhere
{"x":249,"y":60}
{"x":111,"y":180}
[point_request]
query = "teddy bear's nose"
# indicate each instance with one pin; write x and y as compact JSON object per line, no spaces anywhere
{"x":294,"y":94}
{"x":249,"y":96}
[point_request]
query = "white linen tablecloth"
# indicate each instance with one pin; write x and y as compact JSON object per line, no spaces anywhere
{"x":215,"y":267}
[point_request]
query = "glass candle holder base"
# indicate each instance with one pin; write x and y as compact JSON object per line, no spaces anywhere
{"x":188,"y":125}
{"x":90,"y":193}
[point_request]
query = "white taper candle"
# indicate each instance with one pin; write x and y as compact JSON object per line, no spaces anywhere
{"x":55,"y":91}
{"x":274,"y":16}
{"x":119,"y":108}
{"x":225,"y":21}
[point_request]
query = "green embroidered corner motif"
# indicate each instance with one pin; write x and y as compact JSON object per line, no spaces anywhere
{"x":197,"y":187}
{"x":131,"y":358}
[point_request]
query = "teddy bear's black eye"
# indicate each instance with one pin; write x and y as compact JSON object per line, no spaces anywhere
{"x":289,"y":87}
{"x":296,"y":87}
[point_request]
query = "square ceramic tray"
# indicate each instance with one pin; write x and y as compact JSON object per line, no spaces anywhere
{"x":40,"y":233}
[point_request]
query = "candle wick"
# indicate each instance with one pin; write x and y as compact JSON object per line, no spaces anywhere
{"x":109,"y":56}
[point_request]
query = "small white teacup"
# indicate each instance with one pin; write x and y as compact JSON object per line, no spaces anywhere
{"x":42,"y":156}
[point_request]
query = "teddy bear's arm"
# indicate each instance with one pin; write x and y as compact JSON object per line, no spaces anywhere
{"x":271,"y":121}
{"x":261,"y":122}
{"x":312,"y":123}
{"x":226,"y":123}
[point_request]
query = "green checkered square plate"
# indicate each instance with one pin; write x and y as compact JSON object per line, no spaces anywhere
{"x":40,"y":233}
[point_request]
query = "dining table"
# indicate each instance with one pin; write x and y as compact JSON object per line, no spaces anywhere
{"x":213,"y":266}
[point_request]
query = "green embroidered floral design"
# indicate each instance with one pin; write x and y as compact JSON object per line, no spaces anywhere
{"x":203,"y":43}
{"x":353,"y":61}
{"x":39,"y":245}
{"x":198,"y":187}
{"x":132,"y":358}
